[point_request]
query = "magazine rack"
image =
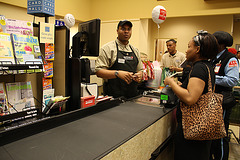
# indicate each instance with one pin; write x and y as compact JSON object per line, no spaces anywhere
{"x":8,"y":68}
{"x":55,"y":105}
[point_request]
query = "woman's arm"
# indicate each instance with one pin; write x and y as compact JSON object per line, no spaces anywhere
{"x":191,"y":94}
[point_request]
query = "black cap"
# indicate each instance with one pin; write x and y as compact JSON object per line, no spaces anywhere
{"x":224,"y":38}
{"x":123,"y":22}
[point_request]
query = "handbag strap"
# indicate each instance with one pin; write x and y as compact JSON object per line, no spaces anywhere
{"x":209,"y":80}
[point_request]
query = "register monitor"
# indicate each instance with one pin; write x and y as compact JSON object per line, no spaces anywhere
{"x":86,"y":41}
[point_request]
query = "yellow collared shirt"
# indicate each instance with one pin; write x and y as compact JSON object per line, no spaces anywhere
{"x":108,"y":55}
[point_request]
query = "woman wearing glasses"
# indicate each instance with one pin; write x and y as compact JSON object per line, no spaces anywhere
{"x":201,"y":49}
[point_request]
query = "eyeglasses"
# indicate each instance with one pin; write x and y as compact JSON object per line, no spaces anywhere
{"x":198,"y":38}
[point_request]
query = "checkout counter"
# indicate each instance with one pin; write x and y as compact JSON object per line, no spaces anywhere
{"x":116,"y":129}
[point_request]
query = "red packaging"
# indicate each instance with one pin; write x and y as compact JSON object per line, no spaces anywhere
{"x":87,"y":101}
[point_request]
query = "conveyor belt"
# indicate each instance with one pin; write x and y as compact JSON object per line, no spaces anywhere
{"x":88,"y":138}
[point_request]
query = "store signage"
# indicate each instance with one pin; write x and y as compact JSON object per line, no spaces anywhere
{"x":41,"y":7}
{"x":47,"y":33}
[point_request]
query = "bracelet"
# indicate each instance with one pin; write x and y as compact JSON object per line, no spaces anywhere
{"x":116,"y":74}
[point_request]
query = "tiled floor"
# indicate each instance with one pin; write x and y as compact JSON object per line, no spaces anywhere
{"x":234,"y":147}
{"x":234,"y":151}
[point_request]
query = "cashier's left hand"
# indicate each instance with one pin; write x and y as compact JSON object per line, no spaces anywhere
{"x":168,"y":80}
{"x":138,"y":77}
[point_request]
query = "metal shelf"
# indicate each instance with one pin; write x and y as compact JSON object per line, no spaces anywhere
{"x":6,"y":67}
{"x":33,"y":67}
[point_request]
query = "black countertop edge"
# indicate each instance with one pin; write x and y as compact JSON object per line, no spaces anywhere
{"x":33,"y":127}
{"x":165,"y":110}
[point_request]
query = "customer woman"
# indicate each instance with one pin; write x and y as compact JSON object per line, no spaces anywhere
{"x":201,"y":49}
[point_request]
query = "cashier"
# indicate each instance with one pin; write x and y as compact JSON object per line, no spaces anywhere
{"x":119,"y":64}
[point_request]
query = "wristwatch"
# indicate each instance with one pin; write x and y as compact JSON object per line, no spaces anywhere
{"x":116,"y":74}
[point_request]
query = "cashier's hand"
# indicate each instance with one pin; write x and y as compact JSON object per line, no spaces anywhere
{"x":168,"y":80}
{"x":138,"y":77}
{"x":126,"y":76}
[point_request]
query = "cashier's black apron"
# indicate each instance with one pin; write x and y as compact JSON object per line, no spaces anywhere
{"x":125,"y":61}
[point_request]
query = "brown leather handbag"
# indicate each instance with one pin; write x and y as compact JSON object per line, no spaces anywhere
{"x":204,"y":119}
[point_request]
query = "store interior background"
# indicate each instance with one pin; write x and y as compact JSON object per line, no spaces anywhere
{"x":184,"y":18}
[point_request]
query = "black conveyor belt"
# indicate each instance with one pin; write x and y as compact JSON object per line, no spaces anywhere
{"x":90,"y":137}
